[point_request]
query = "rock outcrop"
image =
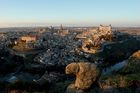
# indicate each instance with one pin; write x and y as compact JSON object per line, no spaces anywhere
{"x":133,"y":65}
{"x":126,"y":80}
{"x":86,"y":74}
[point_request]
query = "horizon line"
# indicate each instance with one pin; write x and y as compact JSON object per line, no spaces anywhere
{"x":43,"y":26}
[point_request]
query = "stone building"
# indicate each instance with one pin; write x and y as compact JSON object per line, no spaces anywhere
{"x":63,"y":31}
{"x":105,"y":30}
{"x":29,"y":38}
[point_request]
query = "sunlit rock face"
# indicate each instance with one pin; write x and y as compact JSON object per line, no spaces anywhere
{"x":133,"y":65}
{"x":135,"y":57}
{"x":86,"y":74}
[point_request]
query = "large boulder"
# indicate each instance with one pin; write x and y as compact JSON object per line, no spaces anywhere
{"x":86,"y":74}
{"x":133,"y":65}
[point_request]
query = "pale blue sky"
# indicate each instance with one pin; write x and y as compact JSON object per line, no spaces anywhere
{"x":69,"y":12}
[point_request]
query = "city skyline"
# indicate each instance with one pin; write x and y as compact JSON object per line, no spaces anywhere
{"x":17,"y":13}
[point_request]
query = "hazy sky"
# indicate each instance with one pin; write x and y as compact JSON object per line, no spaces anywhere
{"x":69,"y":12}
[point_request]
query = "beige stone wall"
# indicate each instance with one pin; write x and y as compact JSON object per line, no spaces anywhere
{"x":105,"y":29}
{"x":28,"y":38}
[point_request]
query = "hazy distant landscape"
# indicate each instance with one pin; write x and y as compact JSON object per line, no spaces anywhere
{"x":39,"y":59}
{"x":130,"y":30}
{"x":69,"y":46}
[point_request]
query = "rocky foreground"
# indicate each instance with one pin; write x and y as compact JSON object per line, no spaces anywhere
{"x":62,"y":66}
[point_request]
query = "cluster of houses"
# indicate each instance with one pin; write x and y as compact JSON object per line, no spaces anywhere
{"x":92,"y":37}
